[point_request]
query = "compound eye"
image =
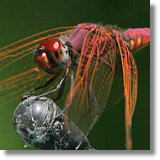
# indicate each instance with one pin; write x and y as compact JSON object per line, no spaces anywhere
{"x":50,"y":44}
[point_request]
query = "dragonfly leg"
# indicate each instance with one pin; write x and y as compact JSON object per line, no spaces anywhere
{"x":60,"y":93}
{"x":59,"y":87}
{"x":26,"y":95}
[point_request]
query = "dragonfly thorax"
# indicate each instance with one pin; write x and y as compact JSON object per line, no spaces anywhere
{"x":51,"y":55}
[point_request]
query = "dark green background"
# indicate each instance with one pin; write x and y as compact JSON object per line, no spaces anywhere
{"x":19,"y":18}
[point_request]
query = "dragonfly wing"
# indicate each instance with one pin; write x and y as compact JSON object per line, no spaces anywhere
{"x":130,"y":79}
{"x":93,"y":81}
{"x":24,"y":47}
{"x":19,"y":73}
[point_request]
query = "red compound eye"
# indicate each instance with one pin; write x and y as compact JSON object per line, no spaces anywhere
{"x":51,"y":44}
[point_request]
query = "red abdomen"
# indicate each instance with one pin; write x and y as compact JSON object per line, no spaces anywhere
{"x":137,"y":38}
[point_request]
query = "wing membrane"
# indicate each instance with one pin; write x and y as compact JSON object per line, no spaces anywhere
{"x":93,"y":80}
{"x":130,"y":79}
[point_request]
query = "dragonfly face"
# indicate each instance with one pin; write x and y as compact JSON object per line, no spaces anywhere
{"x":51,"y":55}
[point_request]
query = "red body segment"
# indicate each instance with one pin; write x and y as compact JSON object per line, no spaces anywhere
{"x":137,"y":38}
{"x":76,"y":38}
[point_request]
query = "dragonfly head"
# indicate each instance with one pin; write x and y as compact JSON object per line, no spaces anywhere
{"x":51,"y":55}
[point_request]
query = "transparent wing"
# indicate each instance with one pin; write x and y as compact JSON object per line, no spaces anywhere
{"x":19,"y":74}
{"x":93,"y":80}
{"x":130,"y":79}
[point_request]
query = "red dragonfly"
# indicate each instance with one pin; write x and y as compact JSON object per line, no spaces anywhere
{"x":94,"y":60}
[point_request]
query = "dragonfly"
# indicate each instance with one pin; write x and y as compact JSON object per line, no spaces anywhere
{"x":90,"y":68}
